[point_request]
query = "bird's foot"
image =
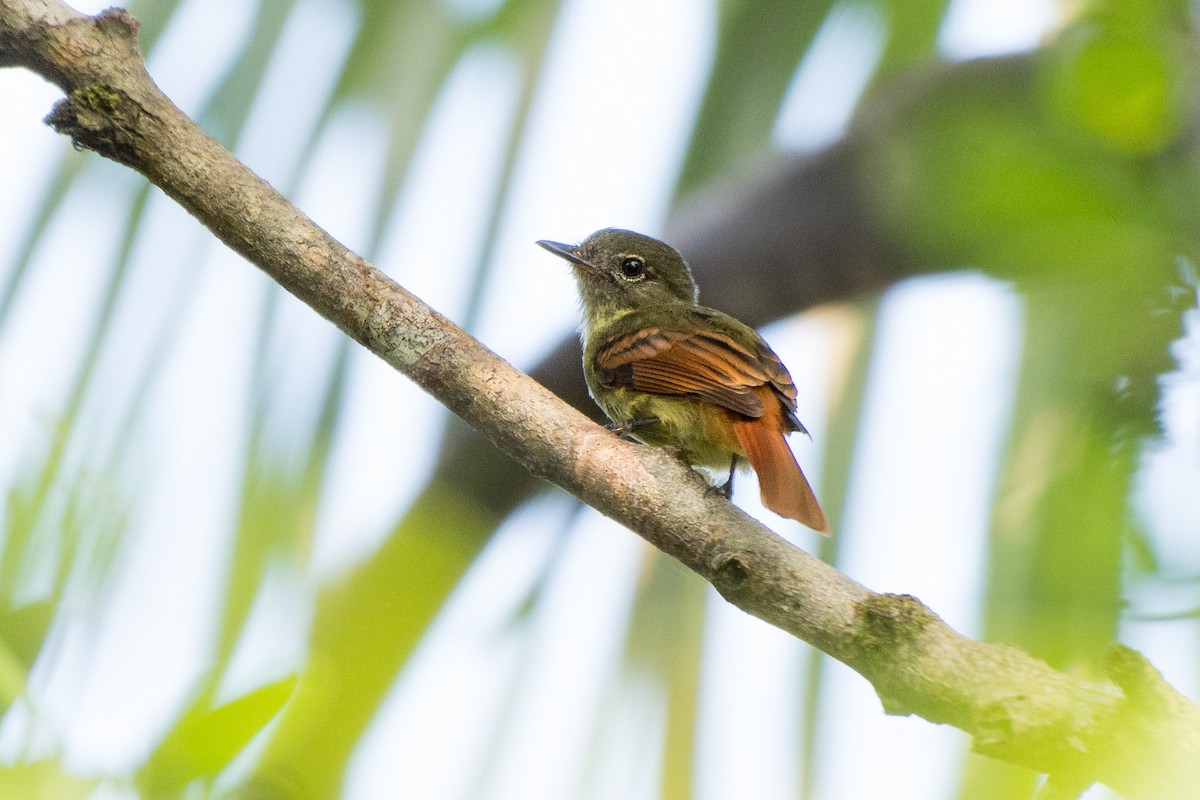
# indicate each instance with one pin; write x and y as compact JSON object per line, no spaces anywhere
{"x":726,"y":489}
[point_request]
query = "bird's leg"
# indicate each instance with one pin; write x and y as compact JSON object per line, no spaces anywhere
{"x":727,"y":487}
{"x":626,"y":428}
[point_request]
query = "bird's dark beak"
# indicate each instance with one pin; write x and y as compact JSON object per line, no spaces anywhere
{"x":568,"y":252}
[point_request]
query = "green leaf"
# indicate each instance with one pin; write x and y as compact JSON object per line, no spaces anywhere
{"x":22,"y":630}
{"x":759,"y":45}
{"x":367,"y":625}
{"x":1125,"y":90}
{"x":205,"y":739}
{"x":42,"y":780}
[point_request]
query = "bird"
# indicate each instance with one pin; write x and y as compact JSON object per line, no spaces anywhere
{"x":672,"y":373}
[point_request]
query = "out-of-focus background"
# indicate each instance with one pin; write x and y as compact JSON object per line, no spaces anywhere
{"x":237,"y":553}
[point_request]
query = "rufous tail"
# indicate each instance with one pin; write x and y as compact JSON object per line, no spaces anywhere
{"x":784,"y":488}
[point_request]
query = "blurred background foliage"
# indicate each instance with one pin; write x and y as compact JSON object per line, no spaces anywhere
{"x":1065,"y":174}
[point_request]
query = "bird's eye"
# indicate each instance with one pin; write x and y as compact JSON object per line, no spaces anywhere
{"x":633,"y":268}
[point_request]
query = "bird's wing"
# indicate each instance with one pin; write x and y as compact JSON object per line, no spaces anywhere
{"x":702,"y":362}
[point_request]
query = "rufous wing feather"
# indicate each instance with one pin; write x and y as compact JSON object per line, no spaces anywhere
{"x":784,"y":488}
{"x":744,"y":379}
{"x":705,"y":364}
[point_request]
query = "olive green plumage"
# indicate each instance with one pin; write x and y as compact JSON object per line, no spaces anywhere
{"x":673,"y":373}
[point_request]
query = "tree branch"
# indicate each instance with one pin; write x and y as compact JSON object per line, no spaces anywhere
{"x":1135,"y":734}
{"x":803,"y":230}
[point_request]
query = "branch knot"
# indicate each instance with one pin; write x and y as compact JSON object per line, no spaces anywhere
{"x":100,"y":118}
{"x":730,"y":572}
{"x":889,"y":620}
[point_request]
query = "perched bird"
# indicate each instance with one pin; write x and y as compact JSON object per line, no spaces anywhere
{"x":670,"y":372}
